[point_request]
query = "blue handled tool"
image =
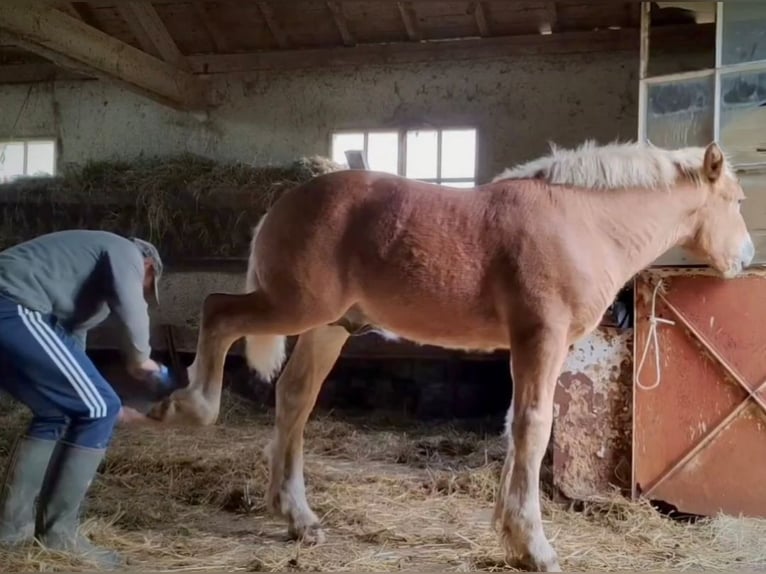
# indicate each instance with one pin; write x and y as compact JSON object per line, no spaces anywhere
{"x":164,"y":382}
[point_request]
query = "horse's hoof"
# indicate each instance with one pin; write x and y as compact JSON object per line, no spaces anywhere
{"x":550,"y":564}
{"x":311,"y":535}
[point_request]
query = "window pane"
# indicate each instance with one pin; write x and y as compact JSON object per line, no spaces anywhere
{"x":743,"y":32}
{"x":11,"y":160}
{"x":743,"y":116}
{"x":41,"y":158}
{"x":383,"y":151}
{"x":422,"y":154}
{"x":458,"y":153}
{"x":680,"y":112}
{"x":343,"y":142}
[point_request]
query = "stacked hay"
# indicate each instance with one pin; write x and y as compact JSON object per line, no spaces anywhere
{"x":190,"y":206}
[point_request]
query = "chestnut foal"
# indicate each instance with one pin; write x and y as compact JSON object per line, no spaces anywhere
{"x":528,"y":262}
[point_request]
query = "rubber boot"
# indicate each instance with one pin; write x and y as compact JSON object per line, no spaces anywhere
{"x":66,"y":483}
{"x":20,"y":487}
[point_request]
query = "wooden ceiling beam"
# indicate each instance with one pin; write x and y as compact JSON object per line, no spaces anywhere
{"x":599,"y":41}
{"x":72,"y":44}
{"x":336,"y":9}
{"x":410,"y":20}
{"x":151,"y":32}
{"x":271,"y":22}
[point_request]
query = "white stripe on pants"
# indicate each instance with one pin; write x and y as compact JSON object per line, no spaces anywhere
{"x":66,"y":363}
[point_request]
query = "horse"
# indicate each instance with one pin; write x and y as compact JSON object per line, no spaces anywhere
{"x":528,"y":262}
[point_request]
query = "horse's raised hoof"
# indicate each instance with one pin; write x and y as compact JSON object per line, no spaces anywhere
{"x":311,"y":534}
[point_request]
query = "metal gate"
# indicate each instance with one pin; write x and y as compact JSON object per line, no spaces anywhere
{"x":699,"y":428}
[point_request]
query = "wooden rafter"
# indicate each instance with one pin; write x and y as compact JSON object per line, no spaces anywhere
{"x":271,"y":22}
{"x":72,"y":44}
{"x":336,"y":9}
{"x":68,"y":8}
{"x":678,"y":38}
{"x":150,"y":31}
{"x":410,"y":20}
{"x":480,"y":15}
{"x":214,"y":32}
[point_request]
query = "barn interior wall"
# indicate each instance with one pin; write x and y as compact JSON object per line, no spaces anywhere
{"x":517,"y":104}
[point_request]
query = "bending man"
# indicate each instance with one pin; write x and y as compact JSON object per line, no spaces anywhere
{"x":53,"y":289}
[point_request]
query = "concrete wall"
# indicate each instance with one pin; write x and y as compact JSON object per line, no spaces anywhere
{"x":517,"y":105}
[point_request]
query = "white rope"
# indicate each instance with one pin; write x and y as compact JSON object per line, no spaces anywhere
{"x":651,"y":337}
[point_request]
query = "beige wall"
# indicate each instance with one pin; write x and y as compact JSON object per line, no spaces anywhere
{"x":518,"y":105}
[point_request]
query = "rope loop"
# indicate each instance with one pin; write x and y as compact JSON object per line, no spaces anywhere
{"x":651,"y":337}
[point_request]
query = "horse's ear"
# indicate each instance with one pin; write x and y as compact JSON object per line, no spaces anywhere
{"x":713,"y":164}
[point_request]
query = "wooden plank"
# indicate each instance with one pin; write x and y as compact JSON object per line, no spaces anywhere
{"x":480,"y":15}
{"x":150,"y":31}
{"x":599,"y":41}
{"x":74,"y":45}
{"x":276,"y":30}
{"x":410,"y":20}
{"x":336,"y":9}
{"x":142,"y":36}
{"x":81,"y":10}
{"x":217,"y":36}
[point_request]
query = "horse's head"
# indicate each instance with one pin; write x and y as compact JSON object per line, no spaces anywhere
{"x":719,"y":234}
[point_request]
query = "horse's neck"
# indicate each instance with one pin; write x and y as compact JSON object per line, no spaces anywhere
{"x":641,"y":225}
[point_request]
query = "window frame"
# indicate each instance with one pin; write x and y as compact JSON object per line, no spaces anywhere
{"x":716,"y":72}
{"x":26,"y":141}
{"x":402,"y":132}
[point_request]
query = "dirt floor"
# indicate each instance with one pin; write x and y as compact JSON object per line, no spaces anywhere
{"x":392,"y":497}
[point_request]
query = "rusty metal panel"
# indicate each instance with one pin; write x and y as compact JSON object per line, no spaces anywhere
{"x":700,"y":428}
{"x":591,"y":432}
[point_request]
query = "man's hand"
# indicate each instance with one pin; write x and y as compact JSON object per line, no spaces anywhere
{"x":130,"y":416}
{"x":144,"y":371}
{"x":157,"y":376}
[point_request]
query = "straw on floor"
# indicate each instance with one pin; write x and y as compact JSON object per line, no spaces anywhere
{"x":411,"y":497}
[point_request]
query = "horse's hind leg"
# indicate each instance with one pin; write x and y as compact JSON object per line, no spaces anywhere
{"x":537,"y":361}
{"x":298,"y":386}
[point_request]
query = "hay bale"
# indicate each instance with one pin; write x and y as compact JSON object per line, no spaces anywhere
{"x":190,"y":206}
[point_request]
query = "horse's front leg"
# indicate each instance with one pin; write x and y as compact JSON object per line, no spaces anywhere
{"x":298,"y":386}
{"x":225,"y":318}
{"x":538,"y":359}
{"x":504,"y":483}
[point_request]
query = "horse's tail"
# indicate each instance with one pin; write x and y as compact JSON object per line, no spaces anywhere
{"x":265,"y":354}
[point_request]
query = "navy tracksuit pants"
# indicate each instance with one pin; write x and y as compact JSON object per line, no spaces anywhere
{"x":43,"y":367}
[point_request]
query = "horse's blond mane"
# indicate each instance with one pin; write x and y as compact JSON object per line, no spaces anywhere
{"x":613,"y":166}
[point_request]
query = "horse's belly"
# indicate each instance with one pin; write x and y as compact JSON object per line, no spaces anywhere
{"x":442,"y":329}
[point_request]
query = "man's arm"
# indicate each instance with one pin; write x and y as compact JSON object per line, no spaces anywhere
{"x":129,"y":305}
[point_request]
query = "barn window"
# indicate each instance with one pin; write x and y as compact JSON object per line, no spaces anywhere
{"x":20,"y":158}
{"x":724,"y":103}
{"x":446,"y":156}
